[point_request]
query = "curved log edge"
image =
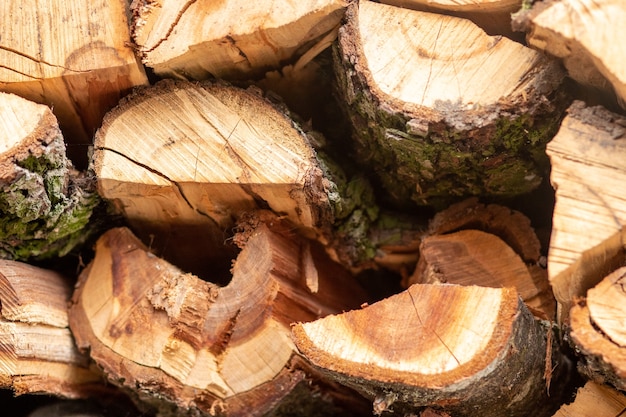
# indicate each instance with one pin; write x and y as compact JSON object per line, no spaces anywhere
{"x":187,"y":345}
{"x":458,"y":349}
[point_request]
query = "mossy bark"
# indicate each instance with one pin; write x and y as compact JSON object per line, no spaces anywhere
{"x":45,"y":204}
{"x":436,"y":155}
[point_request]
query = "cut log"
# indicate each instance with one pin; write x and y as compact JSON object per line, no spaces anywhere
{"x":182,"y":161}
{"x":45,"y":204}
{"x":580,"y":33}
{"x":488,"y":245}
{"x":232,"y":39}
{"x":432,"y":111}
{"x":188,"y":345}
{"x":588,"y":172}
{"x":73,"y":56}
{"x":38,"y":352}
{"x":458,"y":349}
{"x":493,"y":16}
{"x":597,"y":330}
{"x":594,"y":400}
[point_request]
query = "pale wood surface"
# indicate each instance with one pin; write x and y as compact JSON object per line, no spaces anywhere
{"x":491,"y":245}
{"x":415,"y":348}
{"x":231,"y":39}
{"x":38,"y":351}
{"x":594,"y":400}
{"x":73,"y":56}
{"x":182,"y":161}
{"x":588,"y":174}
{"x":607,"y":306}
{"x":494,"y":16}
{"x":586,"y":35}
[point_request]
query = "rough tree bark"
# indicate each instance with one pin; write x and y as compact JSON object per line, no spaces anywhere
{"x":45,"y":204}
{"x":432,"y":112}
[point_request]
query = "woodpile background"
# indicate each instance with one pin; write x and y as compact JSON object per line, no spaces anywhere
{"x":326,"y":207}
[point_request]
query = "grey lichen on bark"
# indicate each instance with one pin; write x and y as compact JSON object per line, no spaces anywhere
{"x":45,"y":204}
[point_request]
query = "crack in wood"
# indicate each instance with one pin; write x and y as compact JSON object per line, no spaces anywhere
{"x":432,"y":330}
{"x":171,"y":28}
{"x":38,"y":61}
{"x":160,"y":174}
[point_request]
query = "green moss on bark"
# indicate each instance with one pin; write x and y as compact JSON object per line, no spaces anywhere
{"x":45,"y":209}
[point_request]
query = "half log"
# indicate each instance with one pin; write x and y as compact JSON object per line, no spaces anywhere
{"x":465,"y":350}
{"x":190,"y":346}
{"x":182,"y":161}
{"x":432,"y":111}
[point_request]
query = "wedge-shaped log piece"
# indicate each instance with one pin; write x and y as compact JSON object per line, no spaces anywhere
{"x":488,"y":245}
{"x":38,"y":353}
{"x":182,"y":161}
{"x":72,"y":55}
{"x":597,"y":328}
{"x":494,"y":16}
{"x":588,"y":172}
{"x":188,"y":344}
{"x":441,"y":109}
{"x":580,"y":33}
{"x":229,"y":39}
{"x":459,"y":349}
{"x":45,"y":204}
{"x":596,"y":400}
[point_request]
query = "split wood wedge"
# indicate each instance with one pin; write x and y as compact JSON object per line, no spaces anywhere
{"x":577,"y":31}
{"x":588,"y":173}
{"x":235,"y":39}
{"x":182,"y":161}
{"x":459,"y":349}
{"x":190,"y":346}
{"x":38,"y":354}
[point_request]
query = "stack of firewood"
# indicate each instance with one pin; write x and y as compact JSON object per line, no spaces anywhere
{"x":326,"y":207}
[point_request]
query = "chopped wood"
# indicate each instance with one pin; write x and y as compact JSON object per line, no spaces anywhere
{"x":595,"y":400}
{"x":235,"y":39}
{"x":584,"y":34}
{"x":455,"y":348}
{"x":493,"y":16}
{"x":215,"y":350}
{"x":38,"y":352}
{"x":488,"y":245}
{"x":45,"y":204}
{"x":432,"y":112}
{"x":597,"y":329}
{"x":73,"y":56}
{"x":182,"y":161}
{"x":588,"y":173}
